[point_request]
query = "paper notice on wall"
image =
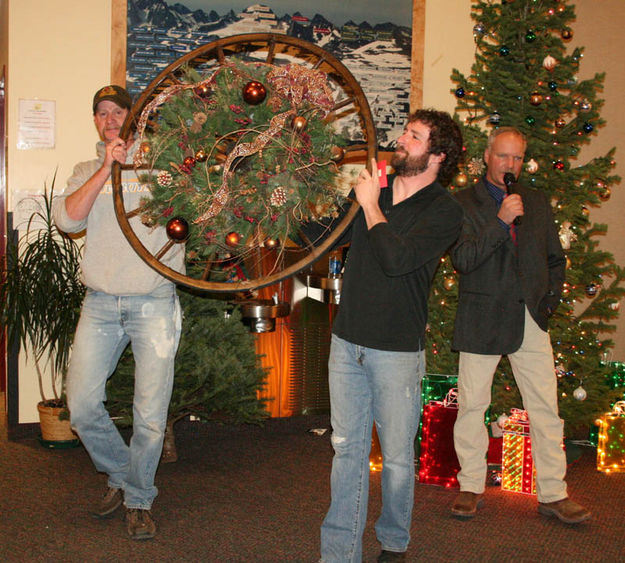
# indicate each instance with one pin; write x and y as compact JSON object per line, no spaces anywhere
{"x":36,"y":124}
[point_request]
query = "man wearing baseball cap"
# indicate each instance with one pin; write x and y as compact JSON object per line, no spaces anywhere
{"x":126,"y":302}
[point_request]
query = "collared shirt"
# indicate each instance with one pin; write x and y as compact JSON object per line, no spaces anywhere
{"x":498,"y":195}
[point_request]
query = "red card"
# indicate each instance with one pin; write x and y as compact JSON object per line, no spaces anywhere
{"x":382,"y":173}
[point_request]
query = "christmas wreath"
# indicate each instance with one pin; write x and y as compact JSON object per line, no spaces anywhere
{"x":238,"y":159}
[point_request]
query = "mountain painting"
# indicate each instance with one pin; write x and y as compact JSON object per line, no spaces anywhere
{"x":377,"y":54}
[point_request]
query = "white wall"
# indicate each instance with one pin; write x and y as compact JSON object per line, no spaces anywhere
{"x":57,"y":50}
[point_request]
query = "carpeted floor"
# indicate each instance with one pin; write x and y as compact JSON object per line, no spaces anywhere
{"x":259,"y":494}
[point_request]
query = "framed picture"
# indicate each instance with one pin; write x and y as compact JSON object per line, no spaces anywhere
{"x":380,"y":43}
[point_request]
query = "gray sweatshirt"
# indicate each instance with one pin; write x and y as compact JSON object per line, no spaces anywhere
{"x":109,"y":263}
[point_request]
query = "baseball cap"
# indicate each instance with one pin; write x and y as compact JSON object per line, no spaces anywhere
{"x":114,"y":93}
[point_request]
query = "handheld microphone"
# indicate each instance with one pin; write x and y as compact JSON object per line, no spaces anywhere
{"x":509,"y":180}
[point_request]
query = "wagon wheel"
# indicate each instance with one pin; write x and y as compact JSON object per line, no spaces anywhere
{"x":264,"y":265}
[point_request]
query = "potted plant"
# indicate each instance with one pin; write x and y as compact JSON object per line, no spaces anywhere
{"x":41,"y":295}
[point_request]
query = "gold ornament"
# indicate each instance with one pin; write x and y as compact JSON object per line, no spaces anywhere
{"x":449,"y":282}
{"x":549,"y":62}
{"x":605,"y":194}
{"x":337,"y":154}
{"x":536,"y":99}
{"x":567,"y":236}
{"x":531,"y":166}
{"x":201,"y":155}
{"x":461,"y":180}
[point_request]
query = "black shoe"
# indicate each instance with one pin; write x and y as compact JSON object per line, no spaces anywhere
{"x":391,"y":556}
{"x":111,"y":501}
{"x":140,"y":524}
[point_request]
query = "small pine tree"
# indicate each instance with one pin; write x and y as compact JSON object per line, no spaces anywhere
{"x":217,"y":373}
{"x":525,"y":76}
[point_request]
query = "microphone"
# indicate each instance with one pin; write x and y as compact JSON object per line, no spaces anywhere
{"x":509,"y":180}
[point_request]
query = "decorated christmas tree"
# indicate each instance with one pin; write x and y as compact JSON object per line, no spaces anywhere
{"x":525,"y":76}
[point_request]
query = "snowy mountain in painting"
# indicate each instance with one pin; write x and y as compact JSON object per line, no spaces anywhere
{"x":377,"y":56}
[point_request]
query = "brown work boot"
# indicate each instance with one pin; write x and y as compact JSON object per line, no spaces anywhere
{"x":466,"y":504}
{"x":140,"y":524}
{"x":566,"y":510}
{"x":111,"y":501}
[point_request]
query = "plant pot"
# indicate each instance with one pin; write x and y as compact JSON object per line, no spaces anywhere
{"x":55,"y":432}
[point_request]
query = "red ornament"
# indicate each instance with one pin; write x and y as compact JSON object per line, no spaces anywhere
{"x":177,"y":229}
{"x":558,"y":165}
{"x":337,"y":154}
{"x":203,"y":91}
{"x":233,"y":239}
{"x":189,"y":161}
{"x":254,"y":92}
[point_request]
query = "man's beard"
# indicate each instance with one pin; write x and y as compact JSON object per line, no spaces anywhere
{"x":409,"y":165}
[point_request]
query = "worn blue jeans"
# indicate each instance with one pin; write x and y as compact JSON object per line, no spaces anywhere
{"x":151,"y":323}
{"x":368,"y":385}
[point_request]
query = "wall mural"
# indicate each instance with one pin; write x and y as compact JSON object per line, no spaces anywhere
{"x":373,"y":40}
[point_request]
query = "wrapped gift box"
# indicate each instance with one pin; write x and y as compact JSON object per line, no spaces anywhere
{"x":611,"y":444}
{"x":438,"y":464}
{"x":517,"y":471}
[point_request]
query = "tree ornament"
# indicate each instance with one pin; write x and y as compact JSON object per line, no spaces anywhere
{"x":494,"y":477}
{"x":298,"y":123}
{"x":459,"y":92}
{"x":504,"y":50}
{"x":145,"y":147}
{"x":615,"y":306}
{"x":201,"y":155}
{"x":530,"y":37}
{"x":536,"y":99}
{"x":278,"y":197}
{"x":585,"y":106}
{"x":233,"y":239}
{"x":461,"y":180}
{"x":587,"y":127}
{"x":254,"y":92}
{"x":476,"y":166}
{"x":558,"y":165}
{"x":478,"y":30}
{"x":559,"y":123}
{"x":531,"y":166}
{"x":449,"y":282}
{"x":337,"y":154}
{"x":177,"y":229}
{"x":553,"y":86}
{"x":567,"y":236}
{"x":580,"y":393}
{"x":530,"y":120}
{"x":189,"y":161}
{"x":549,"y":63}
{"x":566,"y":34}
{"x":591,"y":289}
{"x":568,"y":263}
{"x":585,"y":211}
{"x":604,"y":195}
{"x":494,"y":118}
{"x":163,"y":178}
{"x":203,"y":91}
{"x":271,"y":243}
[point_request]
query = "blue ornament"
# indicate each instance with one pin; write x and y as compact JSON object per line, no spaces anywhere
{"x":460,"y":92}
{"x":553,"y":86}
{"x":504,"y":51}
{"x":588,"y":127}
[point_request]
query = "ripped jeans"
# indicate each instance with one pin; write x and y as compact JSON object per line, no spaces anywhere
{"x":368,"y":385}
{"x":151,"y":323}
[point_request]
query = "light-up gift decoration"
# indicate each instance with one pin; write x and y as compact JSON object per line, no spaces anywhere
{"x":611,"y":445}
{"x":438,"y":464}
{"x":518,"y":473}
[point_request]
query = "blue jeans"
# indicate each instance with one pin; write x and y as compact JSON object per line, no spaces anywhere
{"x":368,"y":385}
{"x":151,"y":323}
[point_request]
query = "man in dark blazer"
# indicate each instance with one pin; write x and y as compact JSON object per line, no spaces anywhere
{"x":511,"y":267}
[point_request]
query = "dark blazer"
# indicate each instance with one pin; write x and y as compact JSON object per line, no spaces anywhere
{"x":498,"y":279}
